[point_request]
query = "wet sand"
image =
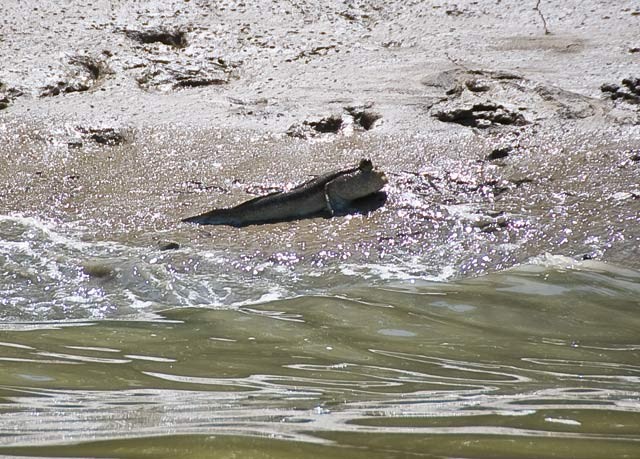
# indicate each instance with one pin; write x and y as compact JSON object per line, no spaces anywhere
{"x":497,"y":138}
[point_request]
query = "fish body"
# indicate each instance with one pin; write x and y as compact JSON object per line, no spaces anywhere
{"x":323,"y":195}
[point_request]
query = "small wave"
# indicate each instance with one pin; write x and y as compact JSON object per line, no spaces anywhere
{"x":52,"y":271}
{"x":562,"y":262}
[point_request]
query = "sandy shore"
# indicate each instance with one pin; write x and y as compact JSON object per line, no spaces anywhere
{"x":499,"y":139}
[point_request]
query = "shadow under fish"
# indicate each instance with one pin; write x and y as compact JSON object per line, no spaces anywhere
{"x":349,"y":191}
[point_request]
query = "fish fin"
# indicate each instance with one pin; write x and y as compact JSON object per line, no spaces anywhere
{"x":213,"y":217}
{"x":335,"y":204}
{"x":256,"y":199}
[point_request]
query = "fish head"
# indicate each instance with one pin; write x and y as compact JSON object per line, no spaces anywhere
{"x":358,"y":184}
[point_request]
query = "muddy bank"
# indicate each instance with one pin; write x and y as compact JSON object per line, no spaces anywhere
{"x":475,"y":203}
{"x":500,"y":141}
{"x":271,"y":65}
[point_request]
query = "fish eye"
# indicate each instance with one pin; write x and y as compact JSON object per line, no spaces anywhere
{"x":365,"y":165}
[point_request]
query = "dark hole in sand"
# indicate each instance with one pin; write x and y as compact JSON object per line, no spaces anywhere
{"x":364,"y":118}
{"x":94,"y":67}
{"x":481,"y":115}
{"x":175,"y":38}
{"x":103,"y":136}
{"x":499,"y":153}
{"x":331,"y":124}
{"x":198,"y":82}
{"x":629,"y":90}
{"x":85,"y":72}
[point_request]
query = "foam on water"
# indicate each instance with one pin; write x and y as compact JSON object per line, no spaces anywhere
{"x":562,"y":262}
{"x":52,"y":271}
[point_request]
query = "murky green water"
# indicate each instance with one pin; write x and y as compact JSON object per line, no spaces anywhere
{"x":109,"y":350}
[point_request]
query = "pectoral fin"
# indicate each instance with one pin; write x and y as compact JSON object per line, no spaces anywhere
{"x":334,"y":202}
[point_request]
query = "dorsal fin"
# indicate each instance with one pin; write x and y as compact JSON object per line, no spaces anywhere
{"x":257,"y":198}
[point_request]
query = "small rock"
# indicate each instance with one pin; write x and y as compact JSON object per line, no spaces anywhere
{"x":609,"y":87}
{"x":478,"y":85}
{"x":8,"y":95}
{"x":633,"y":84}
{"x":453,"y":12}
{"x":629,"y":91}
{"x":483,"y":123}
{"x":98,"y":270}
{"x":168,"y":245}
{"x":103,"y":136}
{"x":196,"y":186}
{"x":492,"y":223}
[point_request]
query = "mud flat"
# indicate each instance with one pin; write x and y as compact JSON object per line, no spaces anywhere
{"x":501,"y":141}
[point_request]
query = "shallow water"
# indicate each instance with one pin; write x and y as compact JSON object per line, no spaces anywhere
{"x":114,"y":350}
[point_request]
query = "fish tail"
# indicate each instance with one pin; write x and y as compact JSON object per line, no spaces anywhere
{"x":213,"y":217}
